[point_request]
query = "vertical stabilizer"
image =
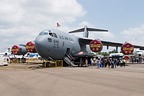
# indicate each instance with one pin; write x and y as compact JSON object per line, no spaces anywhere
{"x":86,"y":32}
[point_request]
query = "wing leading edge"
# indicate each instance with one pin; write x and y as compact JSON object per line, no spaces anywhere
{"x":107,"y":43}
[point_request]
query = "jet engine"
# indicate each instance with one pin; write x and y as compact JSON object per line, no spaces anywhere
{"x":96,"y":45}
{"x":30,"y":47}
{"x":18,"y":50}
{"x":127,"y":48}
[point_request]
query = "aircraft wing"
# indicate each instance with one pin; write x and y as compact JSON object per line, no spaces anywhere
{"x":107,"y":43}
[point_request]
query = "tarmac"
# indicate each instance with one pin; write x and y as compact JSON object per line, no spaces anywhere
{"x":23,"y":80}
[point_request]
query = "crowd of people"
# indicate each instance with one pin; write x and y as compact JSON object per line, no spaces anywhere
{"x":136,"y":60}
{"x":107,"y":62}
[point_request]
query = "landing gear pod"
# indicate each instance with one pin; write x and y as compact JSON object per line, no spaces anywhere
{"x":30,"y":47}
{"x":127,"y":48}
{"x":96,"y":45}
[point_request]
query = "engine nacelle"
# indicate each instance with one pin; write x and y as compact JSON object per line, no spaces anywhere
{"x":30,"y":47}
{"x":127,"y":48}
{"x":126,"y":57}
{"x":96,"y":45}
{"x":18,"y":50}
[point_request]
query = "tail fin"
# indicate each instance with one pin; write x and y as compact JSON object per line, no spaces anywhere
{"x":85,"y":30}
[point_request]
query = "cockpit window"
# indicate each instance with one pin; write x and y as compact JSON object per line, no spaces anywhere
{"x":53,"y":34}
{"x":48,"y":32}
{"x":44,"y":33}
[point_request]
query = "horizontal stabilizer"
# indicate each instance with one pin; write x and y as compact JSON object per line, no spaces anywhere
{"x":92,"y":29}
{"x":78,"y":30}
{"x":88,"y":29}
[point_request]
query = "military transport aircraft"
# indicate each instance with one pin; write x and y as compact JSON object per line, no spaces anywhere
{"x":58,"y":45}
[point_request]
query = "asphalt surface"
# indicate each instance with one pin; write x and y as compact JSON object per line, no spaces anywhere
{"x":19,"y":80}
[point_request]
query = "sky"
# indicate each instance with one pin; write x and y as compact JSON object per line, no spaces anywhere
{"x":22,"y":20}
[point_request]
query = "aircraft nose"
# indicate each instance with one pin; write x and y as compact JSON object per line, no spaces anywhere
{"x":40,"y":43}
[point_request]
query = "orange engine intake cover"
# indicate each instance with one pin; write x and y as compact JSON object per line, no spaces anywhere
{"x":127,"y":48}
{"x":30,"y":46}
{"x":15,"y":49}
{"x":96,"y":45}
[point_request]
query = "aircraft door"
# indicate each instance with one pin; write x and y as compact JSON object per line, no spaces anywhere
{"x":68,"y":51}
{"x":68,"y":55}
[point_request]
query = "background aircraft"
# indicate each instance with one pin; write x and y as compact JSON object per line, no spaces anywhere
{"x":6,"y":53}
{"x":22,"y":49}
{"x":18,"y":49}
{"x":139,"y":53}
{"x":58,"y":45}
{"x":4,"y":56}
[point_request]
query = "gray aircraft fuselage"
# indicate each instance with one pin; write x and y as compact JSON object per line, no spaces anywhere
{"x":55,"y":43}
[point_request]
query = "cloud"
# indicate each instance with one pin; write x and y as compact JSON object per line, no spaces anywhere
{"x":134,"y":31}
{"x":134,"y":35}
{"x":60,"y":10}
{"x":97,"y":35}
{"x":85,"y":23}
{"x":22,"y":20}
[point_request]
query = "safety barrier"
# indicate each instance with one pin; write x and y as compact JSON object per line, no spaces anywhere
{"x":53,"y":63}
{"x":17,"y":60}
{"x":34,"y":63}
{"x":34,"y":60}
{"x":45,"y":63}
